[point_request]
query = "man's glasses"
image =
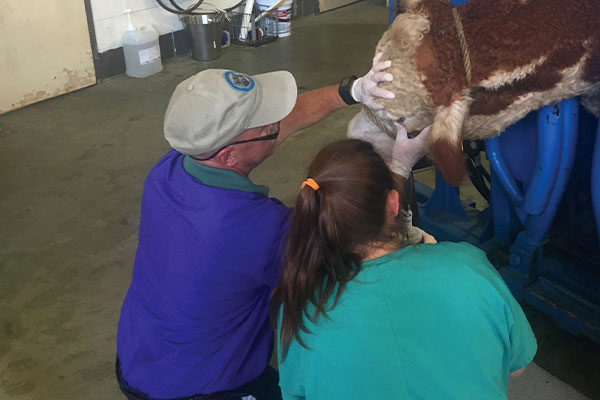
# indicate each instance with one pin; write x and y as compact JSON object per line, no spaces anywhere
{"x":272,"y":136}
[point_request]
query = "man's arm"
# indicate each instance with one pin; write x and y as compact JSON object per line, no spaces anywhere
{"x":311,"y":107}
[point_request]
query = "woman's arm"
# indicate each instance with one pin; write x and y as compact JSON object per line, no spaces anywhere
{"x":517,"y":373}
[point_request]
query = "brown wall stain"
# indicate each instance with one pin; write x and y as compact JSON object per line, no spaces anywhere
{"x":73,"y":80}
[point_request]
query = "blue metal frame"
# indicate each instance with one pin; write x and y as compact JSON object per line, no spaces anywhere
{"x":557,"y":138}
{"x":595,"y":191}
{"x":555,"y":285}
{"x":526,"y":195}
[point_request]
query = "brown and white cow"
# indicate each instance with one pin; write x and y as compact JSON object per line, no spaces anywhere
{"x":519,"y":55}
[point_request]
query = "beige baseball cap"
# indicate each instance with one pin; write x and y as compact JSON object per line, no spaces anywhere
{"x":211,"y":108}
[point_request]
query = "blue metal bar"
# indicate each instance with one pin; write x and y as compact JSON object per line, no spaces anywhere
{"x":537,"y":226}
{"x":501,"y":211}
{"x":557,"y":132}
{"x":525,"y":257}
{"x":596,"y":180}
{"x":540,"y":187}
{"x":499,"y":167}
{"x":447,"y":198}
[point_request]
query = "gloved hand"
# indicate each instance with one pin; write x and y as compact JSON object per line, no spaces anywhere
{"x":427,"y":238}
{"x":366,"y":90}
{"x":407,"y":151}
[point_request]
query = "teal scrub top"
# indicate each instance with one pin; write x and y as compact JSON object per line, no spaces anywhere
{"x":423,"y":322}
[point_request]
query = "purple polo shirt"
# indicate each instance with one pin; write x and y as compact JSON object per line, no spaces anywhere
{"x":195,"y":318}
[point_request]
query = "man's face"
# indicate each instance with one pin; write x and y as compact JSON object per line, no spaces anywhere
{"x":253,"y":153}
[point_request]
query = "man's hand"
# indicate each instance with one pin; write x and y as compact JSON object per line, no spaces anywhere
{"x":366,"y":89}
{"x":407,"y":151}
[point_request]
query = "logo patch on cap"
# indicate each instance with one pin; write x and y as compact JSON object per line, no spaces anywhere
{"x":241,"y":82}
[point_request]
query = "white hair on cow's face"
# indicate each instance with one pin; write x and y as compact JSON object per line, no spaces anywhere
{"x":410,"y":4}
{"x":408,"y":31}
{"x":412,"y":106}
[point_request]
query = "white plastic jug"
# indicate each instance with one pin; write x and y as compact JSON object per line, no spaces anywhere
{"x":141,"y":49}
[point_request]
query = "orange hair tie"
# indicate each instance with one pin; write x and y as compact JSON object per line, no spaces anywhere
{"x":310,"y":182}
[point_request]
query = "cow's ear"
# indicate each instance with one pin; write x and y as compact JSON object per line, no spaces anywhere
{"x":407,"y":30}
{"x":445,"y":140}
{"x":407,"y":5}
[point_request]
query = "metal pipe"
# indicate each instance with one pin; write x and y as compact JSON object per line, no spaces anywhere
{"x":497,"y":163}
{"x":537,"y":226}
{"x":596,"y":180}
{"x":549,"y":132}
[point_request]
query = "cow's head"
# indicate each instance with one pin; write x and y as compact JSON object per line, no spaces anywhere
{"x":429,"y":80}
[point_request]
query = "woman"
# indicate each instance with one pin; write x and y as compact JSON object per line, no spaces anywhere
{"x":361,"y":316}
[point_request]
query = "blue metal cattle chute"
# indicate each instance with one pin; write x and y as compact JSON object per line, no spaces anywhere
{"x":542,"y":227}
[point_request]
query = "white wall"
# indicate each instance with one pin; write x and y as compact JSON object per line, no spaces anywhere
{"x":45,"y":51}
{"x":110,"y":22}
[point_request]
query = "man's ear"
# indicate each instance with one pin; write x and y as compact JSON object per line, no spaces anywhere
{"x":408,"y":5}
{"x":227,"y":156}
{"x":392,"y":204}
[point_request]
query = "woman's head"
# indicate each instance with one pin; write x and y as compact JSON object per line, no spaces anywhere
{"x":349,"y":212}
{"x":355,"y":199}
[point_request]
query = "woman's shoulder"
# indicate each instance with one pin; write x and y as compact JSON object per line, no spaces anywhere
{"x":442,"y":251}
{"x":447,"y":260}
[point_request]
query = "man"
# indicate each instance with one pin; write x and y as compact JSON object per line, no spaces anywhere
{"x":194,"y":322}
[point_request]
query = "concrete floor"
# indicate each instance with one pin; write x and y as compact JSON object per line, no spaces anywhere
{"x":71,"y":181}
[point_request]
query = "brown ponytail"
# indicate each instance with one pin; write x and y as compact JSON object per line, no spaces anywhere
{"x":330,"y":227}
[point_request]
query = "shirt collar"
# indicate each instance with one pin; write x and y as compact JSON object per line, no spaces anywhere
{"x":222,"y":178}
